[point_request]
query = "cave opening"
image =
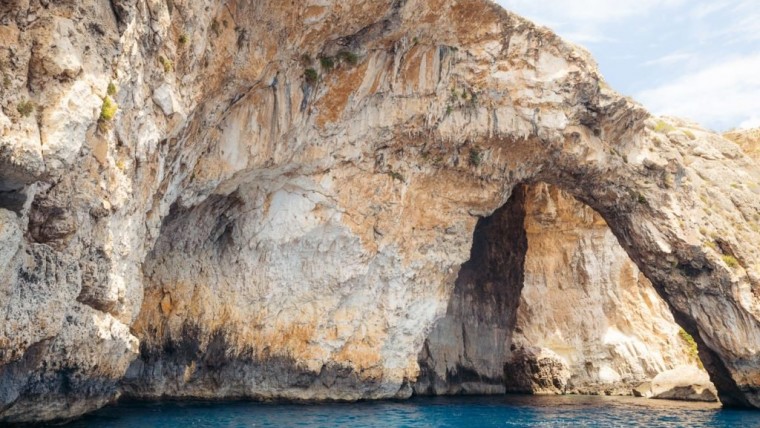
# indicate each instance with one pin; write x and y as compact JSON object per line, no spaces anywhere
{"x":550,"y":303}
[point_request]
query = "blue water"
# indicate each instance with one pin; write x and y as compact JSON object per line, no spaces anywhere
{"x":502,"y":411}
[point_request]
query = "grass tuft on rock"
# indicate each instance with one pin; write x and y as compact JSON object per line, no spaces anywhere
{"x":327,"y":63}
{"x":25,"y":108}
{"x":311,"y":76}
{"x":348,"y":57}
{"x":692,"y":346}
{"x":730,"y":261}
{"x":476,"y":157}
{"x":663,"y":127}
{"x":167,"y":64}
{"x":108,"y":109}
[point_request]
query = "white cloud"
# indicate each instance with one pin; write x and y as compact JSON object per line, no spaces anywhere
{"x":726,"y":21}
{"x":751,"y":123}
{"x":719,"y":95}
{"x":582,"y":12}
{"x":703,"y":10}
{"x":671,"y":59}
{"x":582,"y":21}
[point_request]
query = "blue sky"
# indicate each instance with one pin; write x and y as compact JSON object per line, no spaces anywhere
{"x":697,"y":59}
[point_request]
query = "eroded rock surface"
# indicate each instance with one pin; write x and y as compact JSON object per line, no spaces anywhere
{"x":282,"y":201}
{"x":587,"y":303}
{"x":575,"y":313}
{"x":467,"y":349}
{"x":748,"y":140}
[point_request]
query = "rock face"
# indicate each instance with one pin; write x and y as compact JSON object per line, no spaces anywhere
{"x":748,"y":140}
{"x":281,"y":203}
{"x":467,"y":349}
{"x":587,"y":322}
{"x":586,"y":302}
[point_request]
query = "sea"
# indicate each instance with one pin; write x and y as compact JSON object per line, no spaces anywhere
{"x":455,"y":412}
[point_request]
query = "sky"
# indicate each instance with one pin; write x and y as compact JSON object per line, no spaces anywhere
{"x":698,"y":59}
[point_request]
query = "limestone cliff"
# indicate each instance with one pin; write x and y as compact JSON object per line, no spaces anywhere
{"x":467,"y":349}
{"x":586,"y":303}
{"x":273,"y":199}
{"x":574,"y":312}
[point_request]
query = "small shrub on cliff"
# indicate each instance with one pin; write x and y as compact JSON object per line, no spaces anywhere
{"x":111,"y":90}
{"x":215,"y":27}
{"x":396,"y":176}
{"x":692,"y":346}
{"x":311,"y":76}
{"x":108,"y":109}
{"x":166,"y":63}
{"x":730,"y":261}
{"x":663,"y":127}
{"x":327,"y":63}
{"x":183,"y":39}
{"x":25,"y":108}
{"x":348,"y":57}
{"x":476,"y":157}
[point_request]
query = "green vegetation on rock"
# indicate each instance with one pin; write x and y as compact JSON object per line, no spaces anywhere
{"x":25,"y":108}
{"x":730,"y":261}
{"x":692,"y":346}
{"x":311,"y":76}
{"x":166,"y":63}
{"x":327,"y":63}
{"x":108,"y":109}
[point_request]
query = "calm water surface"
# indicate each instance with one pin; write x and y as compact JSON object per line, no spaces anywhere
{"x":503,"y":411}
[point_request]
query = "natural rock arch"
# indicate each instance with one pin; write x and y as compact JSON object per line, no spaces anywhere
{"x":247,"y":166}
{"x":548,"y":302}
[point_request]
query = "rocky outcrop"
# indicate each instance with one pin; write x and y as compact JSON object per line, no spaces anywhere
{"x":280,"y":203}
{"x":682,"y":383}
{"x":586,"y":302}
{"x":467,"y":349}
{"x":748,"y":140}
{"x":576,"y":315}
